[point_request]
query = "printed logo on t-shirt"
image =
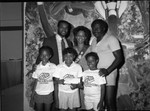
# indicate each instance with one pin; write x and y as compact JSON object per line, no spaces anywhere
{"x":68,"y":76}
{"x":88,"y":81}
{"x":44,"y":78}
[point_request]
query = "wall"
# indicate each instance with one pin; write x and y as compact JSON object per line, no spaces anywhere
{"x":11,"y":35}
{"x":11,"y":43}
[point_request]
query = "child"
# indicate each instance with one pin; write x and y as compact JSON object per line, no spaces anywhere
{"x":44,"y":76}
{"x":94,"y":85}
{"x":68,"y":75}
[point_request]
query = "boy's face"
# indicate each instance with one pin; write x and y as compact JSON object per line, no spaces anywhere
{"x":45,"y":55}
{"x":68,"y":58}
{"x":92,"y":62}
{"x":63,"y":29}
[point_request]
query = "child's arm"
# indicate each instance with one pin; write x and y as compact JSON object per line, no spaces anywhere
{"x":59,"y":81}
{"x":79,"y":85}
{"x":56,"y":92}
{"x":101,"y":103}
{"x":34,"y":83}
{"x":29,"y":74}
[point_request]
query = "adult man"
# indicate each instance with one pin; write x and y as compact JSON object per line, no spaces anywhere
{"x":109,"y":51}
{"x":55,"y":40}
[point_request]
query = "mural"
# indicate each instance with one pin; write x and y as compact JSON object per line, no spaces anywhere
{"x":133,"y":32}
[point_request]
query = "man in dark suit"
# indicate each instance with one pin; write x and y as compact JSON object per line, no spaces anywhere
{"x":55,"y":40}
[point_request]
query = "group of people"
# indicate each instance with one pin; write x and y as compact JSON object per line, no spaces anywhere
{"x":79,"y":74}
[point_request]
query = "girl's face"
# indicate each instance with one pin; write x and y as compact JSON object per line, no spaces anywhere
{"x":92,"y":62}
{"x":80,"y":37}
{"x":68,"y":58}
{"x":45,"y":56}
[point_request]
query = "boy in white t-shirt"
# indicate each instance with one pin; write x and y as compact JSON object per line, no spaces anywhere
{"x":94,"y":85}
{"x":67,"y":76}
{"x":43,"y":75}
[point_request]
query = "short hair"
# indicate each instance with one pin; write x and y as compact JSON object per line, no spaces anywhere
{"x":71,"y":51}
{"x":92,"y":54}
{"x":85,"y":30}
{"x":102,"y":23}
{"x":49,"y":49}
{"x":66,"y":22}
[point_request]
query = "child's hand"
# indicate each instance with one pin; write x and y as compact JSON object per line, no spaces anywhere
{"x":34,"y":67}
{"x":100,"y":106}
{"x":61,"y":81}
{"x":73,"y":86}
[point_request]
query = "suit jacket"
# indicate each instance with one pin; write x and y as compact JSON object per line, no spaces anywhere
{"x":51,"y":37}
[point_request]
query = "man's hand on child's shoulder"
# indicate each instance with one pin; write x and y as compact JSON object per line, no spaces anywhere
{"x":103,"y":72}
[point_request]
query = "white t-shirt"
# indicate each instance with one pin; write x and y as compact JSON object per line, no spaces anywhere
{"x":92,"y":82}
{"x":44,"y":74}
{"x":70,"y":74}
{"x":105,"y":49}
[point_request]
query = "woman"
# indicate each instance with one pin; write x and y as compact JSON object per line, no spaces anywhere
{"x":82,"y":36}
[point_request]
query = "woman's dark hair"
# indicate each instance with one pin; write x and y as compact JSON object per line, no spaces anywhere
{"x":85,"y":30}
{"x":69,"y":26}
{"x":92,"y":54}
{"x":70,"y":50}
{"x":103,"y":24}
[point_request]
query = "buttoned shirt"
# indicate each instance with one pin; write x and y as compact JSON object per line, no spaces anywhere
{"x":59,"y":39}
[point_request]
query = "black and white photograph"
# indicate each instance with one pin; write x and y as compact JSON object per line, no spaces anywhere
{"x":75,"y":56}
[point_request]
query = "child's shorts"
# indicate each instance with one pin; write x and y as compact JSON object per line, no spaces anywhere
{"x":69,"y":100}
{"x":91,"y":102}
{"x":47,"y":99}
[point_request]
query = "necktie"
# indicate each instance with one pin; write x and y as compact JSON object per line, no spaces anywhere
{"x":63,"y":44}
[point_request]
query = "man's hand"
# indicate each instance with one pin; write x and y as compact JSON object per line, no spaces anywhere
{"x":40,"y":3}
{"x":103,"y":72}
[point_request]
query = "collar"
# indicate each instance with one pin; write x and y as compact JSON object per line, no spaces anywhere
{"x":108,"y":33}
{"x":58,"y":37}
{"x":73,"y":63}
{"x":43,"y":65}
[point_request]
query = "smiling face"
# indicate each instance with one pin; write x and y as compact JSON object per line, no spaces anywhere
{"x":68,"y":58}
{"x":63,"y":29}
{"x":45,"y":56}
{"x":80,"y":37}
{"x":97,"y":31}
{"x":92,"y":62}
